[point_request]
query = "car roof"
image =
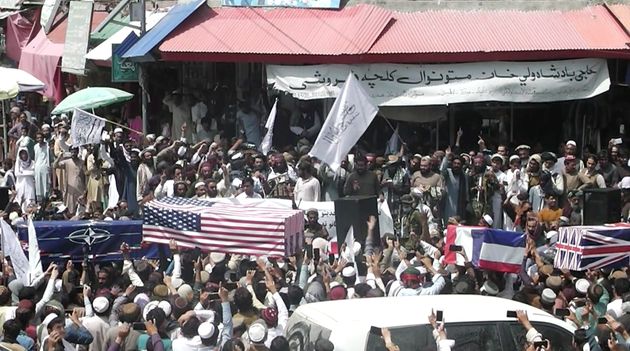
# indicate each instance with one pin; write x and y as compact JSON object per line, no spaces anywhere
{"x":414,"y":310}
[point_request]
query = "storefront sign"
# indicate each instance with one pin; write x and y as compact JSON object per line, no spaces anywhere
{"x":412,"y":85}
{"x":77,"y":36}
{"x":123,"y":70}
{"x":314,"y":4}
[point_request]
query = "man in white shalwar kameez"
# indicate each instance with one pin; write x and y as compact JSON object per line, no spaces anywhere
{"x":43,"y":158}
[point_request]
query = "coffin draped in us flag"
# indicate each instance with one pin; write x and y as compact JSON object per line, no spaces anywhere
{"x":486,"y":248}
{"x":224,"y":227}
{"x":581,"y":248}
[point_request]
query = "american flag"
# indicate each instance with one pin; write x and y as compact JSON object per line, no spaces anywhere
{"x":591,"y":247}
{"x":222,"y":227}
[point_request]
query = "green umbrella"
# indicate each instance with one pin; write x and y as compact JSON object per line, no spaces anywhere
{"x":91,"y":98}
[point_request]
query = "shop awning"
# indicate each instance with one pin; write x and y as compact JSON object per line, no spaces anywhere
{"x":503,"y":35}
{"x":233,"y":34}
{"x":103,"y":52}
{"x":40,"y":57}
{"x":178,"y":14}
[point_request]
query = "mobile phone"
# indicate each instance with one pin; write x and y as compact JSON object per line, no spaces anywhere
{"x":376,"y":331}
{"x":214,"y":296}
{"x":331,"y":259}
{"x":511,"y":314}
{"x":580,"y":303}
{"x":233,"y":277}
{"x":316,"y":255}
{"x":539,"y":344}
{"x":230,"y":286}
{"x":602,"y":320}
{"x":309,"y":251}
{"x":139,"y":326}
{"x":69,"y":310}
{"x":455,"y":248}
{"x":562,"y":312}
{"x":438,"y":316}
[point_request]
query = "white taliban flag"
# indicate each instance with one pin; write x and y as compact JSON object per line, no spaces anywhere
{"x":13,"y":249}
{"x":86,"y":128}
{"x":34,"y":257}
{"x":265,"y":145}
{"x":350,"y":116}
{"x":385,"y":220}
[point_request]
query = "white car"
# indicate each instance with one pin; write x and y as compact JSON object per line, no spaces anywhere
{"x":475,"y":323}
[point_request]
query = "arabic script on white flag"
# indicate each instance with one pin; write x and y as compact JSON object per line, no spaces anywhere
{"x":350,"y":116}
{"x":86,"y":128}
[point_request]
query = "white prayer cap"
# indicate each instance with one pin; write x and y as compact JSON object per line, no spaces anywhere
{"x":100,"y":304}
{"x":159,"y":139}
{"x":348,"y":272}
{"x":581,"y":286}
{"x":64,"y":116}
{"x":166,"y":307}
{"x":177,"y":282}
{"x":181,"y":151}
{"x":514,"y":157}
{"x":105,"y":136}
{"x":118,"y":130}
{"x":46,"y":126}
{"x":60,"y":209}
{"x":321,"y":244}
{"x":136,"y":150}
{"x":217,"y":257}
{"x":206,"y":330}
{"x":523,"y":146}
{"x":148,"y":307}
{"x":200,"y":184}
{"x":571,"y":142}
{"x":548,"y":296}
{"x":150,"y":136}
{"x":625,"y":183}
{"x":490,"y":288}
{"x":488,"y":219}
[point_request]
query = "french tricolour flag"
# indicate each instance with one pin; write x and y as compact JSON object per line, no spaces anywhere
{"x":492,"y":249}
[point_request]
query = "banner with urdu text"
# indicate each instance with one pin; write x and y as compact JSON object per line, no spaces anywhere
{"x":418,"y":84}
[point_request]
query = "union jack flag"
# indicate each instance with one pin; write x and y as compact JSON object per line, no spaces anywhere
{"x":591,"y":247}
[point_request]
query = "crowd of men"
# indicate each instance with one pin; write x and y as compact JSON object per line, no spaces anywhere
{"x":207,"y":301}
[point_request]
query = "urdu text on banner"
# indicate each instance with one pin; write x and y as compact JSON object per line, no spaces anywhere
{"x":413,"y":85}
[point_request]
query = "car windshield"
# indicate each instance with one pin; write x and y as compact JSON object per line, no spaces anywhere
{"x":467,"y":336}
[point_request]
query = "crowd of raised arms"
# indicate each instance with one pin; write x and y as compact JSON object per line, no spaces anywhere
{"x":200,"y":300}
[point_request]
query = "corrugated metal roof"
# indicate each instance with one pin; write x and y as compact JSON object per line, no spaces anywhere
{"x":292,"y":31}
{"x":178,"y":14}
{"x":622,"y":13}
{"x":58,"y":34}
{"x":591,"y":28}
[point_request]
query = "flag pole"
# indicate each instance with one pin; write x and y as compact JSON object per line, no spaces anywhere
{"x":116,"y":124}
{"x":394,"y":130}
